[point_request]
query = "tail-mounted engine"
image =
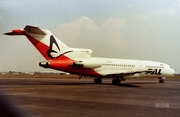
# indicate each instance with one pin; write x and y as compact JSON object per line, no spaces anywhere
{"x":44,"y":64}
{"x":88,"y":64}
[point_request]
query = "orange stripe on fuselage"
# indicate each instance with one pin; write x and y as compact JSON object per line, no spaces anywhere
{"x":67,"y":66}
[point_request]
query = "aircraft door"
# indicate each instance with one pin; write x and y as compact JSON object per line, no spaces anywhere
{"x":140,"y":66}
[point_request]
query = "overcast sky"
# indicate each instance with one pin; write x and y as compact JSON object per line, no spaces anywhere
{"x":128,"y":29}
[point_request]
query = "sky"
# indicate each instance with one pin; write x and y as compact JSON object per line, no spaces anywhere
{"x":128,"y":29}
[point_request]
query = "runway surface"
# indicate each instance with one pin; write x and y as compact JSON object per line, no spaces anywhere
{"x":70,"y":97}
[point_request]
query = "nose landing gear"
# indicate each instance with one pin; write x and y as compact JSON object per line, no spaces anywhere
{"x":161,"y":79}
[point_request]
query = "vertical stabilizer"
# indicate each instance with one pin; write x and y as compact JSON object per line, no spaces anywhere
{"x":47,"y":44}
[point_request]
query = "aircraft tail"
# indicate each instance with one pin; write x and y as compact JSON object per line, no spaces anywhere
{"x":49,"y":46}
{"x":45,"y":42}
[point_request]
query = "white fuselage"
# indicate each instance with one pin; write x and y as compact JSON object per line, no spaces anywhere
{"x":114,"y":66}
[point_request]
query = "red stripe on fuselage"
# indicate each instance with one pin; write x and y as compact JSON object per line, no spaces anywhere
{"x":67,"y":66}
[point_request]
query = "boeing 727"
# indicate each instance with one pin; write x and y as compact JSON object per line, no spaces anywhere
{"x":80,"y":61}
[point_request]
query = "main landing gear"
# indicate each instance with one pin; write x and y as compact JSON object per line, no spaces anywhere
{"x":161,"y":79}
{"x":97,"y":81}
{"x":116,"y":81}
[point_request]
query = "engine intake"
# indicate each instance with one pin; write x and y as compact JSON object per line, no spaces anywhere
{"x":44,"y":64}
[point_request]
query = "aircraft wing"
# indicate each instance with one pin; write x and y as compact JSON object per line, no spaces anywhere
{"x":123,"y":73}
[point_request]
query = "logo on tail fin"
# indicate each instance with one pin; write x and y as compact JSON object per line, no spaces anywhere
{"x":54,"y":49}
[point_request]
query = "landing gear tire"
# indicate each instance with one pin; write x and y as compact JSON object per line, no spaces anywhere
{"x":97,"y":81}
{"x":116,"y":81}
{"x":161,"y":81}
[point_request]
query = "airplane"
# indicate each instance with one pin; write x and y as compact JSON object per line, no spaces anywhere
{"x":80,"y":61}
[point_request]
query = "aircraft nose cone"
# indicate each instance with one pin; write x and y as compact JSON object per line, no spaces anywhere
{"x":173,"y":71}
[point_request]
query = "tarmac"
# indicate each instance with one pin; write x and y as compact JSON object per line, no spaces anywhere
{"x":73,"y":97}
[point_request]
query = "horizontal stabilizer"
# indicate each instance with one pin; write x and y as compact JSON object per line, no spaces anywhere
{"x":11,"y":33}
{"x":15,"y":32}
{"x":34,"y":30}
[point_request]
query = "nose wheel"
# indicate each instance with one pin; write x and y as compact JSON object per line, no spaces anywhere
{"x":161,"y":80}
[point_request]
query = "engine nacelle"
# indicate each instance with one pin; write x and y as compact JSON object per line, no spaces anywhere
{"x":44,"y":64}
{"x":88,"y":64}
{"x":82,"y":53}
